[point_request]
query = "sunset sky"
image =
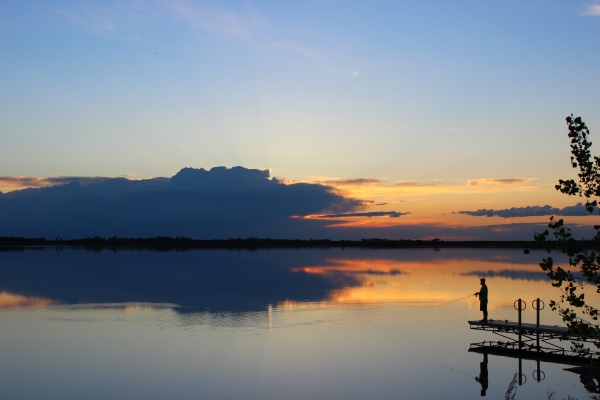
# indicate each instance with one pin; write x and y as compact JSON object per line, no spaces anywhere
{"x":417,"y":109}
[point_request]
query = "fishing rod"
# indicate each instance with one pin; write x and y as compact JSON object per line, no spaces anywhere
{"x":453,"y":301}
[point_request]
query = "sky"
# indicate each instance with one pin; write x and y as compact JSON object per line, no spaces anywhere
{"x":417,"y":110}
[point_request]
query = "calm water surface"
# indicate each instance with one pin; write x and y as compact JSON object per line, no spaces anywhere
{"x":270,"y":324}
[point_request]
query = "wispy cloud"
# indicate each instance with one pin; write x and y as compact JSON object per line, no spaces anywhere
{"x":125,"y":20}
{"x":452,"y":129}
{"x":217,"y":19}
{"x":342,"y":182}
{"x":529,"y":211}
{"x":399,"y":81}
{"x":23,"y":182}
{"x":349,"y":271}
{"x":381,"y":192}
{"x":593,"y":10}
{"x":133,"y":19}
{"x":370,"y":203}
{"x":130,"y":16}
{"x":294,"y":48}
{"x":349,"y":181}
{"x":499,"y":181}
{"x":391,"y":214}
{"x":89,"y":20}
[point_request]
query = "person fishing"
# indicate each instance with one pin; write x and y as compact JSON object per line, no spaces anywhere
{"x":483,"y":299}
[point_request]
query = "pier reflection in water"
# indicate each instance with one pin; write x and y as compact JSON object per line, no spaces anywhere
{"x":267,"y":324}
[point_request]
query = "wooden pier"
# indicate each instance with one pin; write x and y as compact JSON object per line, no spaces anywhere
{"x":534,"y":342}
{"x":545,"y":331}
{"x":529,"y":341}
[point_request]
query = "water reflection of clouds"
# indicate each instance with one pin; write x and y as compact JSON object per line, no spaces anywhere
{"x":510,"y":274}
{"x":428,"y":279}
{"x":220,"y":281}
{"x":10,"y":300}
{"x":125,"y":307}
{"x":223,"y":283}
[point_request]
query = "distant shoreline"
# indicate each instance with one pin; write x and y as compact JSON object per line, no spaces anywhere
{"x":183,"y":243}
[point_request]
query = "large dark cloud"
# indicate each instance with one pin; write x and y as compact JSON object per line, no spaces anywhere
{"x":530,"y":211}
{"x":195,"y":203}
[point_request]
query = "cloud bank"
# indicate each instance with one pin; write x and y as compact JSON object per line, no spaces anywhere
{"x":530,"y":211}
{"x":223,"y":203}
{"x":197,"y":203}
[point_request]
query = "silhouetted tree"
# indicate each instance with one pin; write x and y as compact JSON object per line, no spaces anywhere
{"x":579,"y":316}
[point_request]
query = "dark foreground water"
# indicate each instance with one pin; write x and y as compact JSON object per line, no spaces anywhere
{"x":270,"y":324}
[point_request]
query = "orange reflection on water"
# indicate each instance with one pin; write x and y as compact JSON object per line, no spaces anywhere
{"x":9,"y":300}
{"x":435,"y":281}
{"x":137,"y":307}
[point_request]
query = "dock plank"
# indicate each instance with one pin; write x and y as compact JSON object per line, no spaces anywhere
{"x":514,"y":326}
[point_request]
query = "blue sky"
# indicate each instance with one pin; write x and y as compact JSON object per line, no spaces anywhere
{"x":430,"y":92}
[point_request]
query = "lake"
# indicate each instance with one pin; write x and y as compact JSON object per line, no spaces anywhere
{"x":267,"y":324}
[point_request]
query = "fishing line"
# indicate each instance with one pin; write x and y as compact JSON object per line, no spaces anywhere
{"x":453,"y":301}
{"x":458,"y":372}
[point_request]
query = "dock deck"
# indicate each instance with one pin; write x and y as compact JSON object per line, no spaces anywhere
{"x":546,"y":354}
{"x":545,"y":331}
{"x":529,"y":342}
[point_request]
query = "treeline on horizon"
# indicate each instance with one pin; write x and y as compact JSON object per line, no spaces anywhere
{"x":183,"y":243}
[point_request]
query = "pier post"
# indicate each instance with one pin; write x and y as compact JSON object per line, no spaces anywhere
{"x":538,"y":332}
{"x":520,"y":337}
{"x":520,"y":371}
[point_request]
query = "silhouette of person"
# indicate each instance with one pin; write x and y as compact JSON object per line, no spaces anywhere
{"x":483,"y":375}
{"x":483,"y":299}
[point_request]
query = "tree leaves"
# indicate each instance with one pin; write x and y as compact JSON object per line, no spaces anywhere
{"x":587,"y":263}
